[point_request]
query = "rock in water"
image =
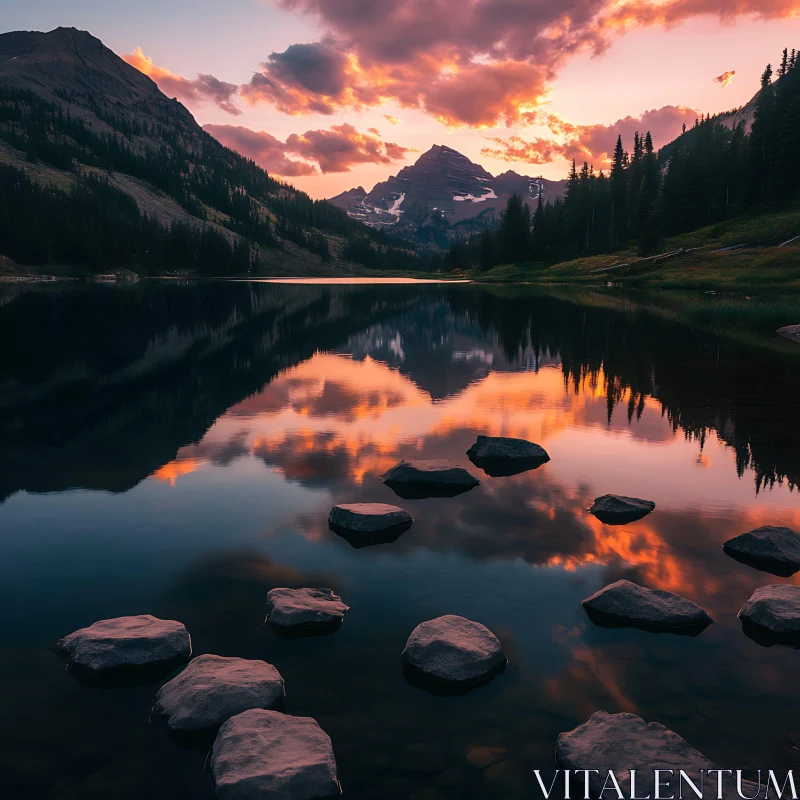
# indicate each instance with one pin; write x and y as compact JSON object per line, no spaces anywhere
{"x":791,"y":332}
{"x":615,"y":509}
{"x":212,"y":689}
{"x":418,"y":479}
{"x":265,"y":755}
{"x":629,"y":605}
{"x":774,"y":613}
{"x":295,"y":609}
{"x":453,"y":651}
{"x":500,"y":456}
{"x":621,"y":742}
{"x":126,"y":643}
{"x":775,"y":550}
{"x":364,"y":524}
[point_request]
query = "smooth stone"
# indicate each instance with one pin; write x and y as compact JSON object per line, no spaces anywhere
{"x":433,"y":478}
{"x":212,"y":689}
{"x":775,"y":550}
{"x":301,"y":608}
{"x":266,"y":755}
{"x":454,"y":651}
{"x":126,"y":643}
{"x":774,"y":610}
{"x":365,"y":524}
{"x":500,"y":456}
{"x":616,"y":509}
{"x":631,"y":605}
{"x":791,"y":331}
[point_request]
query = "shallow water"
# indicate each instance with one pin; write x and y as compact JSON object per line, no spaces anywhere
{"x":175,"y":450}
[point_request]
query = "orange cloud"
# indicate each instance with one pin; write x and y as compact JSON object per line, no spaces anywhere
{"x":725,"y":78}
{"x":337,"y":149}
{"x":393,"y":120}
{"x":206,"y":88}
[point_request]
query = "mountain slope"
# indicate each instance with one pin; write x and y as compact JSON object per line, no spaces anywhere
{"x":443,"y":192}
{"x":70,"y":103}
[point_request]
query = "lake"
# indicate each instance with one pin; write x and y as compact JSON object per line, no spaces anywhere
{"x":175,"y":449}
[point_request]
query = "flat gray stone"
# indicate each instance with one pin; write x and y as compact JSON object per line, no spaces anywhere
{"x":500,"y":456}
{"x":628,"y":603}
{"x":266,"y":755}
{"x":453,"y":650}
{"x":428,"y":478}
{"x":124,"y":643}
{"x":616,"y":509}
{"x":368,"y":518}
{"x":212,"y":689}
{"x":302,"y":608}
{"x":767,"y":547}
{"x":791,"y":332}
{"x":775,"y":609}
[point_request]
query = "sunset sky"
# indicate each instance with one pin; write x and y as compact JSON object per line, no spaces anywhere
{"x":332,"y":94}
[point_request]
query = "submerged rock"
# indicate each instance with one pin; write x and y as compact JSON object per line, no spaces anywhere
{"x":212,"y":689}
{"x":791,"y":332}
{"x":454,"y":651}
{"x":775,"y":550}
{"x":433,"y":478}
{"x":295,"y":609}
{"x":126,"y":643}
{"x":630,"y":605}
{"x":364,"y":524}
{"x":772,"y":614}
{"x":616,"y":509}
{"x":500,"y":456}
{"x":265,"y":755}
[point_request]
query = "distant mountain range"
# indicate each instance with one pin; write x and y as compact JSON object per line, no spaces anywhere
{"x":443,"y":191}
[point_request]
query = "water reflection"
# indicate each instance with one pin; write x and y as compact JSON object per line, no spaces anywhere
{"x":191,"y":440}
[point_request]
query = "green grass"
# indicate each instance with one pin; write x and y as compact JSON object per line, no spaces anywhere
{"x":760,"y":264}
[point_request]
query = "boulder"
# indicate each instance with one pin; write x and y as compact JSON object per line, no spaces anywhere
{"x":126,"y":643}
{"x":615,"y":509}
{"x":212,"y":689}
{"x":774,"y":613}
{"x":453,"y":651}
{"x":295,"y":609}
{"x":266,"y":755}
{"x":775,"y":550}
{"x":365,"y":524}
{"x":629,"y":605}
{"x":791,"y":332}
{"x":435,"y":478}
{"x":621,"y":742}
{"x":500,"y":456}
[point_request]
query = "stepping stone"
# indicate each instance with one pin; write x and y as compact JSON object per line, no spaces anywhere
{"x":365,"y":524}
{"x":626,"y":604}
{"x":453,"y":651}
{"x":791,"y":332}
{"x":615,"y":509}
{"x":772,"y":614}
{"x":621,"y":742}
{"x":212,"y":689}
{"x":499,"y":456}
{"x":266,"y":755}
{"x":126,"y":643}
{"x":775,"y":550}
{"x":298,"y":609}
{"x":433,"y":478}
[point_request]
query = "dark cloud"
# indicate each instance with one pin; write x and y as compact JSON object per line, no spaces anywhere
{"x":317,"y":67}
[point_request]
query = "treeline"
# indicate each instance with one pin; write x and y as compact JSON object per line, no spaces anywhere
{"x":711,"y":173}
{"x":192,"y":168}
{"x":96,"y":226}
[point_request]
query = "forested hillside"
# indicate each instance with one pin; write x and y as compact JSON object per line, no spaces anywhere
{"x":712,"y":173}
{"x":125,"y":177}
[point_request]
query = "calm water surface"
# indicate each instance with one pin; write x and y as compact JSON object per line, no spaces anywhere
{"x":175,"y":450}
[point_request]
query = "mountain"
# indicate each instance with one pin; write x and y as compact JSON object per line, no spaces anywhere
{"x":443,"y":193}
{"x":100,"y":168}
